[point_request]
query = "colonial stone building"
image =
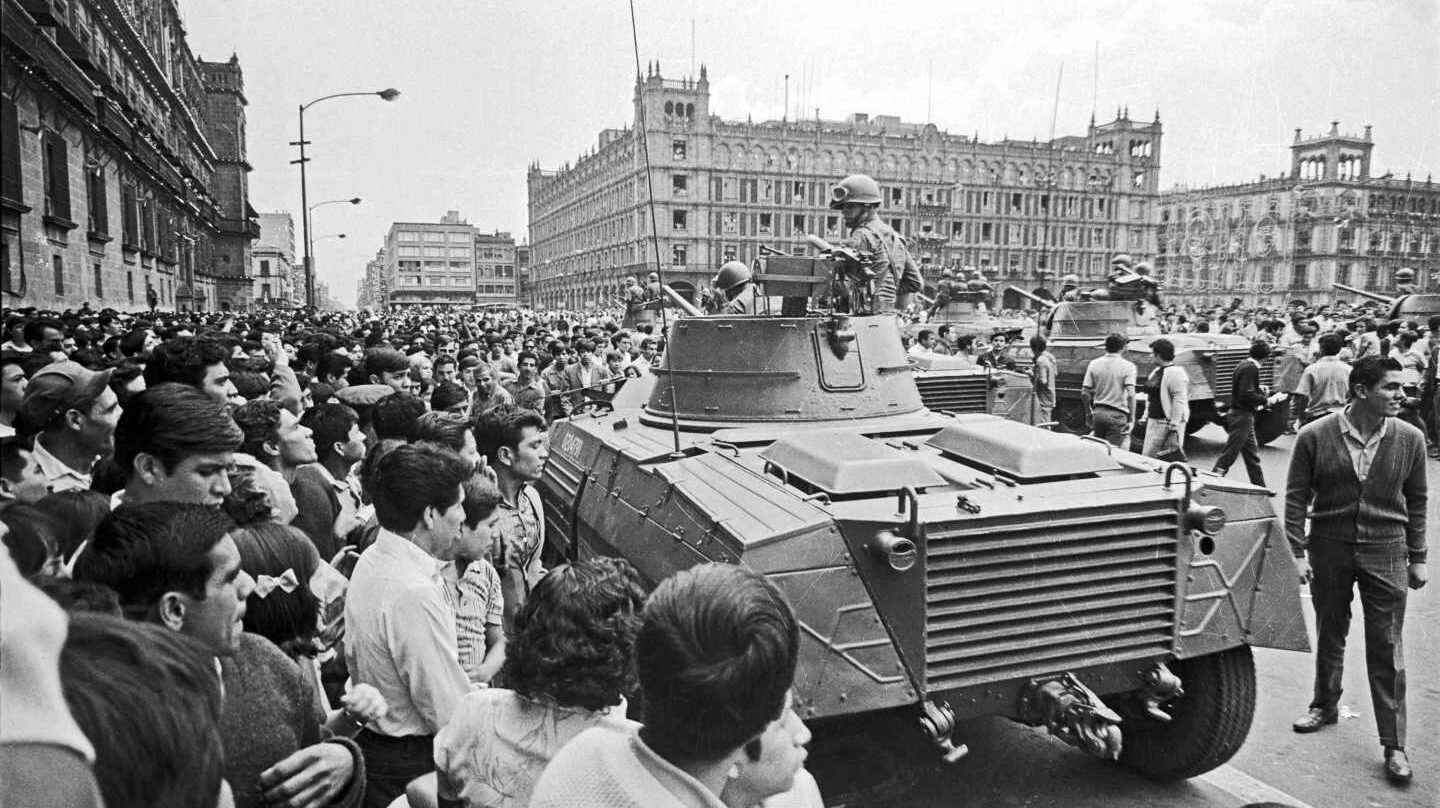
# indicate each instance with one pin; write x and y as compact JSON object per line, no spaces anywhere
{"x":1326,"y":220}
{"x":1024,"y":211}
{"x":374,"y":286}
{"x":123,"y":160}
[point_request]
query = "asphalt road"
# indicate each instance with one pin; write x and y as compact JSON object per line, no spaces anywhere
{"x":1012,"y":766}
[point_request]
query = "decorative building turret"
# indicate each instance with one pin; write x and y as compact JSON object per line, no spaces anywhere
{"x":1331,"y":156}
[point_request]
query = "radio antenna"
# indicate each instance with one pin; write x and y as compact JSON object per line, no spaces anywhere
{"x":643,"y":133}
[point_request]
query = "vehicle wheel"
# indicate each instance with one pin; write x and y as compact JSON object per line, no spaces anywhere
{"x":1069,"y":416}
{"x":1210,"y":721}
{"x":1271,"y":424}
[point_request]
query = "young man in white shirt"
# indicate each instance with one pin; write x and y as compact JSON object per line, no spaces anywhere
{"x":399,"y":627}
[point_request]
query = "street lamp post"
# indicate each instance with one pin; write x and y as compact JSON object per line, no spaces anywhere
{"x":312,"y":279}
{"x":310,"y":245}
{"x":389,"y":94}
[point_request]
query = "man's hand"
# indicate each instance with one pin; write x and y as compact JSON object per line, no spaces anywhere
{"x":364,"y":703}
{"x":1302,"y":565}
{"x":1419,"y":576}
{"x":310,"y":778}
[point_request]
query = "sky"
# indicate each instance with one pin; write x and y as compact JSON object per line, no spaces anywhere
{"x":488,"y":88}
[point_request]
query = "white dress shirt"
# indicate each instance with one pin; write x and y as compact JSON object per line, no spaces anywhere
{"x":400,"y":637}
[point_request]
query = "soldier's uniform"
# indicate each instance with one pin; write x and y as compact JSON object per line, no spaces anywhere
{"x":896,"y":274}
{"x":744,"y":302}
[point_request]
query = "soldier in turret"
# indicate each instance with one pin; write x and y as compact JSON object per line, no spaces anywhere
{"x":896,"y":275}
{"x":734,"y":282}
{"x":1070,"y":288}
{"x":943,"y":291}
{"x":1405,"y":282}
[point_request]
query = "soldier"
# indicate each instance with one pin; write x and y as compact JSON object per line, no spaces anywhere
{"x":652,"y":287}
{"x":1070,"y":288}
{"x":1405,"y":282}
{"x":634,"y":294}
{"x":896,"y":276}
{"x":733,"y":281}
{"x":943,"y":290}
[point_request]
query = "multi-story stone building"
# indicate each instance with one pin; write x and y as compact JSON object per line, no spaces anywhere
{"x":373,"y":289}
{"x":272,"y":261}
{"x":1025,"y":211}
{"x":431,"y":263}
{"x":1325,"y":221}
{"x":123,"y":160}
{"x":495,"y":262}
{"x":523,"y":289}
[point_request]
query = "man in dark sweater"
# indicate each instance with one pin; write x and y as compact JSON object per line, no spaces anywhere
{"x":1246,"y":399}
{"x":1360,"y":472}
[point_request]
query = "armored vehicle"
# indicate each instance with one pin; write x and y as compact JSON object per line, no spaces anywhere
{"x":948,"y":386}
{"x":1417,"y":307}
{"x":942,"y":567}
{"x":1076,"y":331}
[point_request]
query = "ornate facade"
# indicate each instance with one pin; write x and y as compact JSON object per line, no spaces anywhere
{"x":124,"y":160}
{"x":1325,"y":221}
{"x":1025,"y":211}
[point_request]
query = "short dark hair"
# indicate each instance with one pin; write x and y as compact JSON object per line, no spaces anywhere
{"x":411,"y":478}
{"x":1164,"y":349}
{"x":1368,"y":371}
{"x":1037,"y":344}
{"x":574,"y":637}
{"x":332,"y":364}
{"x":481,"y":499}
{"x":445,"y":428}
{"x":1115,"y":343}
{"x":1331,"y":344}
{"x":35,"y":329}
{"x":1259,"y":349}
{"x":288,"y":619}
{"x":76,"y":513}
{"x":585,"y":345}
{"x":331,"y":424}
{"x":172,"y":422}
{"x":503,"y":426}
{"x":924,"y":332}
{"x":144,"y":550}
{"x":448,"y":395}
{"x":149,"y":700}
{"x":32,"y":537}
{"x":385,"y":360}
{"x":716,"y":655}
{"x":443,"y":359}
{"x":396,"y":416}
{"x":184,"y":360}
{"x":260,"y":421}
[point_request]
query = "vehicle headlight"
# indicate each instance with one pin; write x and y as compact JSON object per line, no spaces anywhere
{"x":897,"y":551}
{"x":1208,"y":519}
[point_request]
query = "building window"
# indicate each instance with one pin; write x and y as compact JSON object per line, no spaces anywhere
{"x":459,"y":238}
{"x":130,"y":286}
{"x":434,"y":237}
{"x":406,"y":235}
{"x":99,"y":280}
{"x":678,"y":219}
{"x":678,"y":149}
{"x":797,"y":225}
{"x":1300,"y":277}
{"x":680,"y":185}
{"x":264,"y":268}
{"x":11,"y":184}
{"x":57,"y":177}
{"x":130,"y":217}
{"x":97,"y":202}
{"x":765,"y":223}
{"x":59,"y":264}
{"x":677,"y":255}
{"x":264,"y":291}
{"x":1267,"y":274}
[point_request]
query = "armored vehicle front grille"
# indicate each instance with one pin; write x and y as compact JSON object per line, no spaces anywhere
{"x":1225,"y":364}
{"x":1020,"y":596}
{"x":968,"y":393}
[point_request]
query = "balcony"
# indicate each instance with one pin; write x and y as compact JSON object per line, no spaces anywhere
{"x":77,"y":41}
{"x":47,"y":12}
{"x":932,"y":208}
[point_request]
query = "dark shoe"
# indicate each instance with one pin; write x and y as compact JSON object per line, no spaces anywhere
{"x":1315,"y":719}
{"x":1397,"y":766}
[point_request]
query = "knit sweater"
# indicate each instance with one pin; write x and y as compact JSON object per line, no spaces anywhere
{"x":272,"y":711}
{"x":1389,"y":507}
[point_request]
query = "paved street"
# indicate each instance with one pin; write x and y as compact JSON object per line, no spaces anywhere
{"x":1012,"y":765}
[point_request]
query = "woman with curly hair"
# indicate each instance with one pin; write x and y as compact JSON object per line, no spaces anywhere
{"x":568,"y":667}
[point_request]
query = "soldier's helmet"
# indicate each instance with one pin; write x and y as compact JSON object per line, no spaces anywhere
{"x":731,"y":274}
{"x":947,"y":273}
{"x":854,"y":188}
{"x":1070,"y":281}
{"x":1143,"y":268}
{"x":629,"y":280}
{"x":1122,"y":260}
{"x":654,"y":277}
{"x":1405,"y":275}
{"x":977,"y":275}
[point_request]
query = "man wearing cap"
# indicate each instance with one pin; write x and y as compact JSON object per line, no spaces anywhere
{"x":72,"y":412}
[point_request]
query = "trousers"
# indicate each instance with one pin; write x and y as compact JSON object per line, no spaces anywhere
{"x":1240,"y":442}
{"x":1111,"y":425}
{"x":1379,"y":571}
{"x":391,"y":763}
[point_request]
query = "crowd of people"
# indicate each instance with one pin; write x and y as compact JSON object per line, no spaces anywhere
{"x":296,"y":559}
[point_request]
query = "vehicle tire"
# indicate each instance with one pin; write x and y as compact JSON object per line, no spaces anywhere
{"x":1271,"y":423}
{"x":1069,"y":416}
{"x":1210,"y":721}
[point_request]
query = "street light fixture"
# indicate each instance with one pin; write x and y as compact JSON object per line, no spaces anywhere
{"x":388,"y":94}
